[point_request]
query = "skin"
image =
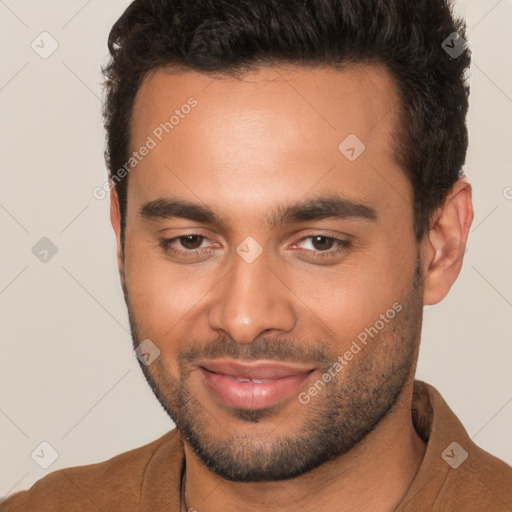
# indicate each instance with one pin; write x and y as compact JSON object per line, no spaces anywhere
{"x":272,"y":138}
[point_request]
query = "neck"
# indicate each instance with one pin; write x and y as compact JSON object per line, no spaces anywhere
{"x":373,"y":476}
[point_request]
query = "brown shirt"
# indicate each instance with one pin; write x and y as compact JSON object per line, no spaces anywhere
{"x":455,"y":475}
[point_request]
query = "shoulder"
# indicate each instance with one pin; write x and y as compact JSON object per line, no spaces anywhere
{"x":93,"y":486}
{"x":485,"y":482}
{"x":456,"y":474}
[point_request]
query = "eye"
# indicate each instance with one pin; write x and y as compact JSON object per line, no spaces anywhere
{"x":184,"y":245}
{"x":325,"y":246}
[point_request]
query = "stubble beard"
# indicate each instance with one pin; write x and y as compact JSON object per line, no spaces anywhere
{"x":352,"y":404}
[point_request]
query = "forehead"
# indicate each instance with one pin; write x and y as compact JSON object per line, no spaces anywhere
{"x":264,"y":132}
{"x":314,"y":99}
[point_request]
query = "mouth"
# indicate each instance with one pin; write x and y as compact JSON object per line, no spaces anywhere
{"x":254,"y":385}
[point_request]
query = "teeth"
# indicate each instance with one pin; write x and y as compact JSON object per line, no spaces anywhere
{"x":254,"y":381}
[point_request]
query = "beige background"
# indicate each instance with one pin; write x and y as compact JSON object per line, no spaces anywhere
{"x":68,"y":374}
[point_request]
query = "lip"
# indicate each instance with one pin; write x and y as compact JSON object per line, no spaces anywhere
{"x":274,"y":381}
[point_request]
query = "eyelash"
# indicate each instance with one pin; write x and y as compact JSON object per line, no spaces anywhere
{"x":165,"y":244}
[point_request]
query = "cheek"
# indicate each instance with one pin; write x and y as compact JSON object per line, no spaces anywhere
{"x":338,"y":296}
{"x":162,"y":294}
{"x":352,"y":296}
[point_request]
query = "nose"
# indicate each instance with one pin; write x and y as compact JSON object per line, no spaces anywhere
{"x":251,"y":299}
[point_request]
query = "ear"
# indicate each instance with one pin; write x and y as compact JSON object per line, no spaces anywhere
{"x":115,"y":220}
{"x":442,"y":249}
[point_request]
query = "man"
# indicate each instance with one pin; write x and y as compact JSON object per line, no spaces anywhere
{"x":286,"y":196}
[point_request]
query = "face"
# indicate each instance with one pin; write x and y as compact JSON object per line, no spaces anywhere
{"x":258,"y":234}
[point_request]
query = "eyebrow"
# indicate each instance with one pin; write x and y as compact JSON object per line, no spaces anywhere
{"x":317,"y":208}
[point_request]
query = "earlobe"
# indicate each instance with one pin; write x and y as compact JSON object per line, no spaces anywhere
{"x":443,"y":247}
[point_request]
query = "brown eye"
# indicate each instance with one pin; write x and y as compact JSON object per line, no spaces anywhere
{"x":191,"y":242}
{"x":322,"y":243}
{"x":185,"y":246}
{"x":322,"y":246}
